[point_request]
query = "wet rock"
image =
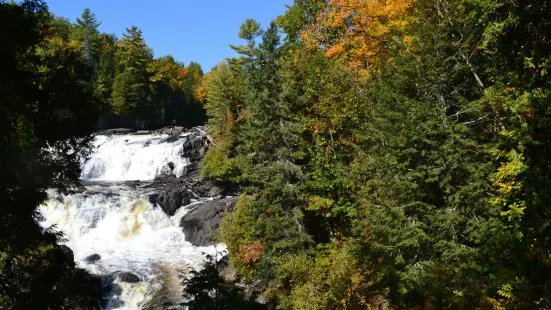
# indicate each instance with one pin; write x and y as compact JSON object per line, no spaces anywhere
{"x":193,"y":167}
{"x":153,"y":198}
{"x":200,"y":224}
{"x":205,"y":187}
{"x":171,"y":130}
{"x":168,"y":179}
{"x":127,"y":277}
{"x":92,"y":258}
{"x":116,"y":131}
{"x":195,"y":147}
{"x":170,"y":165}
{"x":172,"y":198}
{"x":168,"y":168}
{"x":211,"y":188}
{"x":170,"y":139}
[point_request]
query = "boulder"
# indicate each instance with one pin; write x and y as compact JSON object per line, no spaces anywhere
{"x":210,"y":188}
{"x":127,"y":277}
{"x":170,"y":166}
{"x":201,"y":224}
{"x":92,"y":258}
{"x":195,"y":147}
{"x":171,"y":130}
{"x":204,"y":187}
{"x":153,"y":198}
{"x":172,"y":198}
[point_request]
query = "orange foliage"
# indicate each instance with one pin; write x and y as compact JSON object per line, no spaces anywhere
{"x":250,"y":253}
{"x":359,"y":32}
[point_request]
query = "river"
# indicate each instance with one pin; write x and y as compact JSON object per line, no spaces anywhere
{"x":113,"y":218}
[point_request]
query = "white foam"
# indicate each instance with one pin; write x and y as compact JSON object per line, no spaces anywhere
{"x":120,"y":224}
{"x":134,"y":157}
{"x":128,"y":233}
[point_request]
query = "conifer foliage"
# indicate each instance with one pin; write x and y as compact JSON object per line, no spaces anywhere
{"x":133,"y":88}
{"x":392,"y":154}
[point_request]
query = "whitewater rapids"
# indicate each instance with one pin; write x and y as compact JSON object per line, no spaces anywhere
{"x":116,"y":220}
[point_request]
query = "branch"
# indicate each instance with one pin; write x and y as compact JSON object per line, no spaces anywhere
{"x":476,"y":120}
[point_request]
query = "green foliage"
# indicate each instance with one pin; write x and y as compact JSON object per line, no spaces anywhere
{"x":151,"y":92}
{"x":47,"y":111}
{"x":222,"y":93}
{"x":420,"y":184}
{"x":248,"y":31}
{"x":87,"y":32}
{"x":238,"y":230}
{"x":206,"y":290}
{"x":131,"y":97}
{"x":132,"y":88}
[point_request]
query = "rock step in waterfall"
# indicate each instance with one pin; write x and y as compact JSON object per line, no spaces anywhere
{"x":145,"y":216}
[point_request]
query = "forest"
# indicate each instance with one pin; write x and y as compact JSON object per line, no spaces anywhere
{"x":392,"y":154}
{"x":60,"y":81}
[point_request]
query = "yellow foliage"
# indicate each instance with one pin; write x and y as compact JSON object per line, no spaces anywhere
{"x":359,"y":32}
{"x":506,"y":180}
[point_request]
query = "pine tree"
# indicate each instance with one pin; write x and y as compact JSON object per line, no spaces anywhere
{"x":89,"y":35}
{"x":131,"y":96}
{"x":248,"y":31}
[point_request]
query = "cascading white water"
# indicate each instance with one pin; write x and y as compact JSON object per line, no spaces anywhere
{"x":118,"y":222}
{"x":134,"y":157}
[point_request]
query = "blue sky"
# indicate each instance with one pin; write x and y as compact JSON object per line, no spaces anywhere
{"x":199,"y":30}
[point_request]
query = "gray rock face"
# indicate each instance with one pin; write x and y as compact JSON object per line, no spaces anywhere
{"x":172,"y":198}
{"x":200,"y":225}
{"x":195,"y":147}
{"x":117,"y":131}
{"x":92,"y":258}
{"x":204,"y":187}
{"x":127,"y":277}
{"x":171,"y":130}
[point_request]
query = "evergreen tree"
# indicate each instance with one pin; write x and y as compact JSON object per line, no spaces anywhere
{"x":206,"y":290}
{"x":46,"y":115}
{"x":131,"y":96}
{"x":248,"y":31}
{"x":105,"y":70}
{"x":404,"y":140}
{"x":88,"y":33}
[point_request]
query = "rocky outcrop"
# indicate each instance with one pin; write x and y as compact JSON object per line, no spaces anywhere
{"x":204,"y":187}
{"x":92,"y":258}
{"x":171,"y":130}
{"x":196,"y":146}
{"x":172,"y":198}
{"x":225,"y":271}
{"x":127,"y":277}
{"x":116,"y":131}
{"x":200,"y":224}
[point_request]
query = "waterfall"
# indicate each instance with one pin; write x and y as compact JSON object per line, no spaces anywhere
{"x":134,"y":157}
{"x":117,"y":221}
